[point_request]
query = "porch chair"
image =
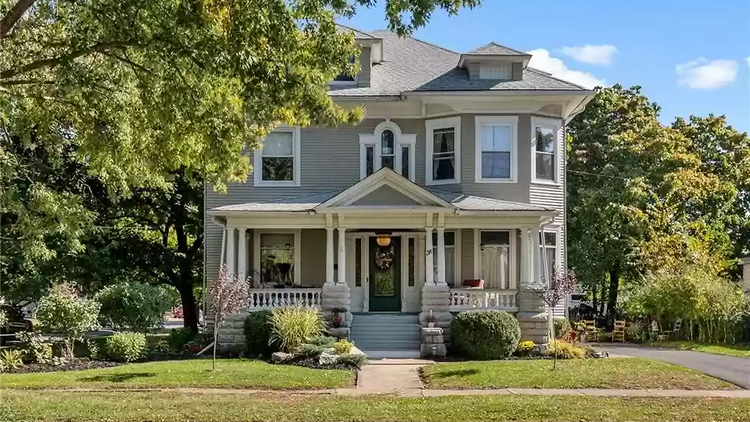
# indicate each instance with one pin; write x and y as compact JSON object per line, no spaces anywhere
{"x":592,"y":333}
{"x":618,"y":333}
{"x":676,"y":328}
{"x":656,"y":333}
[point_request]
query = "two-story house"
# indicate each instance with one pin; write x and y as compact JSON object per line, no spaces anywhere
{"x":457,"y":174}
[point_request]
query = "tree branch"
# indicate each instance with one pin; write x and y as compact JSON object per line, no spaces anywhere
{"x":96,"y":48}
{"x":13,"y":15}
{"x":26,"y":82}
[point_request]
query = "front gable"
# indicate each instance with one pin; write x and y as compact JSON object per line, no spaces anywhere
{"x":384,"y":188}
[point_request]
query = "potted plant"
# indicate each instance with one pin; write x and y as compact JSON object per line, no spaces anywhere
{"x":430,"y":320}
{"x":337,"y":319}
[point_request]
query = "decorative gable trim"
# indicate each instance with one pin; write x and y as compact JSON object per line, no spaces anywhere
{"x":384,"y":177}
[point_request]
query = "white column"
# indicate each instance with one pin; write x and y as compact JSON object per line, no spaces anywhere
{"x":342,"y":255}
{"x":242,"y":253}
{"x":525,"y":256}
{"x":231,"y":252}
{"x":329,"y":256}
{"x":535,"y":274}
{"x":441,"y":255}
{"x":428,"y":265}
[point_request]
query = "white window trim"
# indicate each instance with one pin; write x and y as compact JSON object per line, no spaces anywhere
{"x":543,"y":248}
{"x":511,"y":121}
{"x":400,"y":140}
{"x":430,"y":126}
{"x":512,"y":259}
{"x":258,"y":161}
{"x":297,"y":250}
{"x":555,"y":125}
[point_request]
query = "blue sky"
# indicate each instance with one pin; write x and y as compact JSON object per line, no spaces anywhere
{"x":691,"y":57}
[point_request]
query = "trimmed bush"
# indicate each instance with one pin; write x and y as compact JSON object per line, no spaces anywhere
{"x":258,"y":334}
{"x":356,"y":361}
{"x":125,"y":347}
{"x":562,"y":326}
{"x":133,"y":306}
{"x":343,"y":347}
{"x":309,"y":351}
{"x":323,"y":341}
{"x":293,"y":327}
{"x":485,"y":335}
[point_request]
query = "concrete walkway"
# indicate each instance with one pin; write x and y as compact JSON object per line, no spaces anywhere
{"x":390,"y":375}
{"x":728,"y":368}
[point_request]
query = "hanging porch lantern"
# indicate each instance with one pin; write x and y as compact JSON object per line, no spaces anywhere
{"x":384,"y":240}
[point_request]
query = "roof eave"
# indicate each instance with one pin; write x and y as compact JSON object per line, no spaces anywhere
{"x":500,"y":92}
{"x":525,"y":58}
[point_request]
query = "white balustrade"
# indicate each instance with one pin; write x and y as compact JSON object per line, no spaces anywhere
{"x":463,"y":299}
{"x":284,"y":298}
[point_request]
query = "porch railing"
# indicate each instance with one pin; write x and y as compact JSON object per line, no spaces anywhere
{"x":284,"y":298}
{"x":462,"y":299}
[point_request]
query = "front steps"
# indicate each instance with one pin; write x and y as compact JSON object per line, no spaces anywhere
{"x":386,"y":335}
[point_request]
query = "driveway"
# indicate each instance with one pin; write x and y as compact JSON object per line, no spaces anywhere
{"x":728,"y":368}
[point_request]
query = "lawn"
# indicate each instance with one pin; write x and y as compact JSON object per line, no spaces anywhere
{"x":234,"y":373}
{"x":625,"y":373}
{"x":717,"y":349}
{"x":173,"y":407}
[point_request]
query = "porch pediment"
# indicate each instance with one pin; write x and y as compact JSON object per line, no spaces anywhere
{"x":385,"y":188}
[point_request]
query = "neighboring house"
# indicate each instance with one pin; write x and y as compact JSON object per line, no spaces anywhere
{"x":456,"y":174}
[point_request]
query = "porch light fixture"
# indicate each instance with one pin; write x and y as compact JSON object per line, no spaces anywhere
{"x":383,"y":240}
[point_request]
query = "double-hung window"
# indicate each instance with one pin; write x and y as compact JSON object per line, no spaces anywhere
{"x":276,"y":162}
{"x":544,"y":150}
{"x":496,"y":140}
{"x":549,"y":254}
{"x":387,"y":147}
{"x":443,"y":160}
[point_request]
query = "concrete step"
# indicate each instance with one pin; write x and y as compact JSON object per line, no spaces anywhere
{"x":390,"y":345}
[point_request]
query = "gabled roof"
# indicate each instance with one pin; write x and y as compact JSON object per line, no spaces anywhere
{"x":359,"y":35}
{"x":412,"y":66}
{"x":493,"y":48}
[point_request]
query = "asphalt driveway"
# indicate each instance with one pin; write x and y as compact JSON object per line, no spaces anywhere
{"x":728,"y":368}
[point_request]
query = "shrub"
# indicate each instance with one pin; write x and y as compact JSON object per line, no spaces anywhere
{"x":65,"y":311}
{"x":125,"y":347}
{"x":562,"y":326}
{"x":258,"y":334}
{"x":309,"y":351}
{"x":485,"y":335}
{"x":292,"y":327}
{"x":525,"y":348}
{"x":178,"y":338}
{"x":323,"y":341}
{"x":133,"y":306}
{"x":343,"y":347}
{"x":11,"y":358}
{"x":3,"y":318}
{"x":34,"y":348}
{"x":354,"y":360}
{"x":563,"y":350}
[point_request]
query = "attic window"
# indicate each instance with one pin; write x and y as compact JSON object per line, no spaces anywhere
{"x":343,"y":79}
{"x":496,"y":71}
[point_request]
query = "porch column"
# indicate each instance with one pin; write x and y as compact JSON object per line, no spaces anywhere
{"x":428,"y":264}
{"x":525,"y":256}
{"x":329,"y":256}
{"x":231,"y":252}
{"x":535,"y":269}
{"x":242,"y":253}
{"x":441,"y":255}
{"x":342,"y":255}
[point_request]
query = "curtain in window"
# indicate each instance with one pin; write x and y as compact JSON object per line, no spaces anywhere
{"x":495,"y":266}
{"x":444,"y":154}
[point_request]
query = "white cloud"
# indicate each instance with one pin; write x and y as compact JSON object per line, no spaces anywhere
{"x":748,"y":60}
{"x":541,"y":59}
{"x":703,"y":74}
{"x":594,"y":54}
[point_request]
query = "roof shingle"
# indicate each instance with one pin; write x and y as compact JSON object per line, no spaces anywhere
{"x":494,"y":48}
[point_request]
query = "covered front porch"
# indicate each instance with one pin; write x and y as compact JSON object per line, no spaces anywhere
{"x":375,"y":246}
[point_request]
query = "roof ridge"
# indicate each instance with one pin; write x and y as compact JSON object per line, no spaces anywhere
{"x":549,"y":75}
{"x":493,"y":43}
{"x":355,"y":30}
{"x":421,"y":41}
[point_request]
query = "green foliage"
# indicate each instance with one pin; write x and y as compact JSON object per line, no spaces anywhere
{"x":356,"y":360}
{"x":343,"y":347}
{"x":64,"y":310}
{"x":177,"y":339}
{"x":562,"y":325}
{"x":713,"y":306}
{"x":258,"y":334}
{"x":485,"y":335}
{"x":11,"y":359}
{"x":35,"y":348}
{"x":323,"y":341}
{"x":125,"y":347}
{"x":133,"y":306}
{"x":3,"y":318}
{"x":525,"y":348}
{"x":309,"y":351}
{"x":563,"y":350}
{"x":292,"y":327}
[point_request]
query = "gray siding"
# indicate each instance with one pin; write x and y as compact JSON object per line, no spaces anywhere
{"x":365,"y":68}
{"x":473,"y":69}
{"x":313,"y":257}
{"x":467,"y":254}
{"x":517,"y":71}
{"x":385,"y":195}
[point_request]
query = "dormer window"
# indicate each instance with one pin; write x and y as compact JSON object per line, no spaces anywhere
{"x":494,"y":62}
{"x":344,"y":79}
{"x":502,"y":71}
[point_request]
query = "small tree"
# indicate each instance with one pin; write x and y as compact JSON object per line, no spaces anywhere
{"x":64,"y":310}
{"x":133,"y":306}
{"x":562,"y":284}
{"x":229,"y":294}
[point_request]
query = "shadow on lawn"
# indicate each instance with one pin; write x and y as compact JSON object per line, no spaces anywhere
{"x":455,"y":373}
{"x":119,"y":377}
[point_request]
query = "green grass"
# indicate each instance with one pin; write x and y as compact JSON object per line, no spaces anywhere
{"x":234,"y":373}
{"x":625,"y":373}
{"x":717,"y":349}
{"x":173,"y":407}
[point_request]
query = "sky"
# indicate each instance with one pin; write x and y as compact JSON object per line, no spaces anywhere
{"x":691,"y":57}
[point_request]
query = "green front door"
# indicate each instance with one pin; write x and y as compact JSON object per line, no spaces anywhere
{"x":385,"y":276}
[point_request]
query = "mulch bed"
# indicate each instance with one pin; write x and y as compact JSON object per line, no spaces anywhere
{"x":75,"y":364}
{"x":315,"y":364}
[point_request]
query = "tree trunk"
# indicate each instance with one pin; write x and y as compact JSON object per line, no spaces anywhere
{"x":595,"y":300}
{"x":614,"y":287}
{"x":189,"y":308}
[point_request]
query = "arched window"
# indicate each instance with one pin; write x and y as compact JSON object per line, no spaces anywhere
{"x":387,"y":147}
